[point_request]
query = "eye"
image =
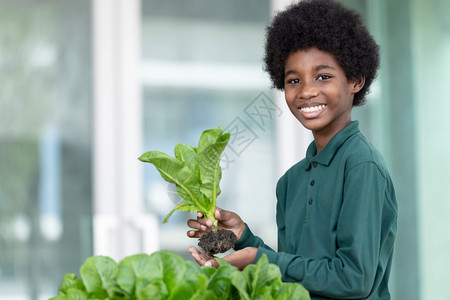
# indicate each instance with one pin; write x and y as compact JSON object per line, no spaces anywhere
{"x":323,"y":77}
{"x":293,"y":81}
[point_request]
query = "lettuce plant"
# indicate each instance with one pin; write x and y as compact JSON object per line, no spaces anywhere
{"x":164,"y":275}
{"x":195,"y":171}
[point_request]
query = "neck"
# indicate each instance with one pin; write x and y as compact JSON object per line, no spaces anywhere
{"x":324,"y":136}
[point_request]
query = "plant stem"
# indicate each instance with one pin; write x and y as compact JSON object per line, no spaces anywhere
{"x":214,"y":228}
{"x":215,"y":224}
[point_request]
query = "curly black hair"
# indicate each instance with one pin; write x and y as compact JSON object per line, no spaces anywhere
{"x":330,"y":27}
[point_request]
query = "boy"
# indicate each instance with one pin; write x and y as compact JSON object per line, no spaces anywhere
{"x":336,"y":208}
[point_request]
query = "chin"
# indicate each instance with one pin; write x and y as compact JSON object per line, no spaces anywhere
{"x":311,"y":124}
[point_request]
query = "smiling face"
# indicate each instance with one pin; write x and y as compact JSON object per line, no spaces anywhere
{"x":318,"y":93}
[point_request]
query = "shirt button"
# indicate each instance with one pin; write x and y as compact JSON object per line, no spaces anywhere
{"x":314,"y":164}
{"x":310,"y":201}
{"x":312,"y":182}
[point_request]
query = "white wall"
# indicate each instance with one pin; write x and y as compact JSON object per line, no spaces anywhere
{"x":431,"y":49}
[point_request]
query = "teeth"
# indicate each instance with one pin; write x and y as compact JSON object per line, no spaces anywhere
{"x":312,"y":108}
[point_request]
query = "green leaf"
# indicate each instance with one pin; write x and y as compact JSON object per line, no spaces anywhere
{"x":204,"y":295}
{"x":165,"y":275}
{"x":76,"y":294}
{"x":170,"y":267}
{"x":187,"y":154}
{"x":72,"y":294}
{"x":209,"y":137}
{"x":266,"y":278}
{"x":98,"y":275}
{"x":238,"y":280}
{"x":71,"y":281}
{"x":174,"y":171}
{"x":194,"y":268}
{"x":180,"y":207}
{"x":155,"y":290}
{"x":222,"y":262}
{"x":190,"y":284}
{"x":208,"y":271}
{"x":196,"y":172}
{"x":210,"y":170}
{"x":212,"y":143}
{"x":292,"y":290}
{"x":186,"y":195}
{"x":249,"y":273}
{"x":220,"y":282}
{"x":135,"y":272}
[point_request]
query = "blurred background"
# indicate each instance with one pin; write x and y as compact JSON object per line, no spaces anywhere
{"x":86,"y":87}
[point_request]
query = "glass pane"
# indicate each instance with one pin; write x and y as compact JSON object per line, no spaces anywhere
{"x":45,"y":145}
{"x":202,"y":69}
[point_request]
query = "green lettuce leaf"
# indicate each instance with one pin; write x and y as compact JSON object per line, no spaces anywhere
{"x":135,"y":272}
{"x":188,"y":155}
{"x":292,"y":290}
{"x":98,"y":276}
{"x":220,"y":282}
{"x":195,"y":171}
{"x":169,"y":267}
{"x":208,"y":160}
{"x":188,"y":287}
{"x":174,"y":171}
{"x":266,"y":278}
{"x":238,"y":280}
{"x":72,"y":294}
{"x":71,"y":281}
{"x":167,"y":276}
{"x":155,"y":290}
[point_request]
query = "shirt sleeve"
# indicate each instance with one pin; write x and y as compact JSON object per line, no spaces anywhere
{"x":248,"y":239}
{"x":351,"y":272}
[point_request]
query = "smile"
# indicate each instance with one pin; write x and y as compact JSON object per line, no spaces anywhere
{"x":310,"y":109}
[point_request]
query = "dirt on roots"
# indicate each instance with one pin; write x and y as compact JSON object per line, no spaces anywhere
{"x":217,"y":242}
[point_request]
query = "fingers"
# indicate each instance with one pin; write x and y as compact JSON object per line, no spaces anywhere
{"x":202,"y":258}
{"x":200,"y":223}
{"x":240,"y":259}
{"x":201,"y":219}
{"x":196,"y":255}
{"x":200,"y":226}
{"x":193,"y":234}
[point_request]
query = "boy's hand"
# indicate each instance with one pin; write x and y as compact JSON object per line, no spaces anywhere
{"x":240,"y":259}
{"x":226,"y":220}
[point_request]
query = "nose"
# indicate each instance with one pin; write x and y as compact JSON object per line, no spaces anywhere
{"x":308,"y":91}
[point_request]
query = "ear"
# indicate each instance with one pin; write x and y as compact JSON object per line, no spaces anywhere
{"x":357,"y":84}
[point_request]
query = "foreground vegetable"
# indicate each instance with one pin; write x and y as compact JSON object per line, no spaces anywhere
{"x":195,"y":171}
{"x":164,"y":275}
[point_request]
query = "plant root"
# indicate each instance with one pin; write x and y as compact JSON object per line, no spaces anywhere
{"x":217,"y":242}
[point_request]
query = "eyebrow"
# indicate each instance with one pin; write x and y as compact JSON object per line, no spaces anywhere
{"x":316,"y":68}
{"x":320,"y":67}
{"x":289,"y":72}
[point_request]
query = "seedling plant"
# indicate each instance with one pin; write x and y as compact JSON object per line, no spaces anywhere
{"x":196,"y":174}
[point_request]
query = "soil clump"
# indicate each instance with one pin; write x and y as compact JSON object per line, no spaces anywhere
{"x":217,"y":242}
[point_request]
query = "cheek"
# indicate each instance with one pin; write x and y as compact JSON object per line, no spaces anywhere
{"x":289,"y":96}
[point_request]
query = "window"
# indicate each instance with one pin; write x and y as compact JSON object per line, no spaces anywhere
{"x":201,"y":66}
{"x":45,"y":145}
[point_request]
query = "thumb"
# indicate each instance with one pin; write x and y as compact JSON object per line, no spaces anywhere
{"x":219,"y":214}
{"x":212,"y":263}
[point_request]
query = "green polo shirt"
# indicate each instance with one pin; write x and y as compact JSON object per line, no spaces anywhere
{"x":336,"y":219}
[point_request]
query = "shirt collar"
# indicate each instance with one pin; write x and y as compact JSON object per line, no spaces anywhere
{"x":325,"y":156}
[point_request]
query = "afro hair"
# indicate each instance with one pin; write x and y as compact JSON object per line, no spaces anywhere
{"x":330,"y":27}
